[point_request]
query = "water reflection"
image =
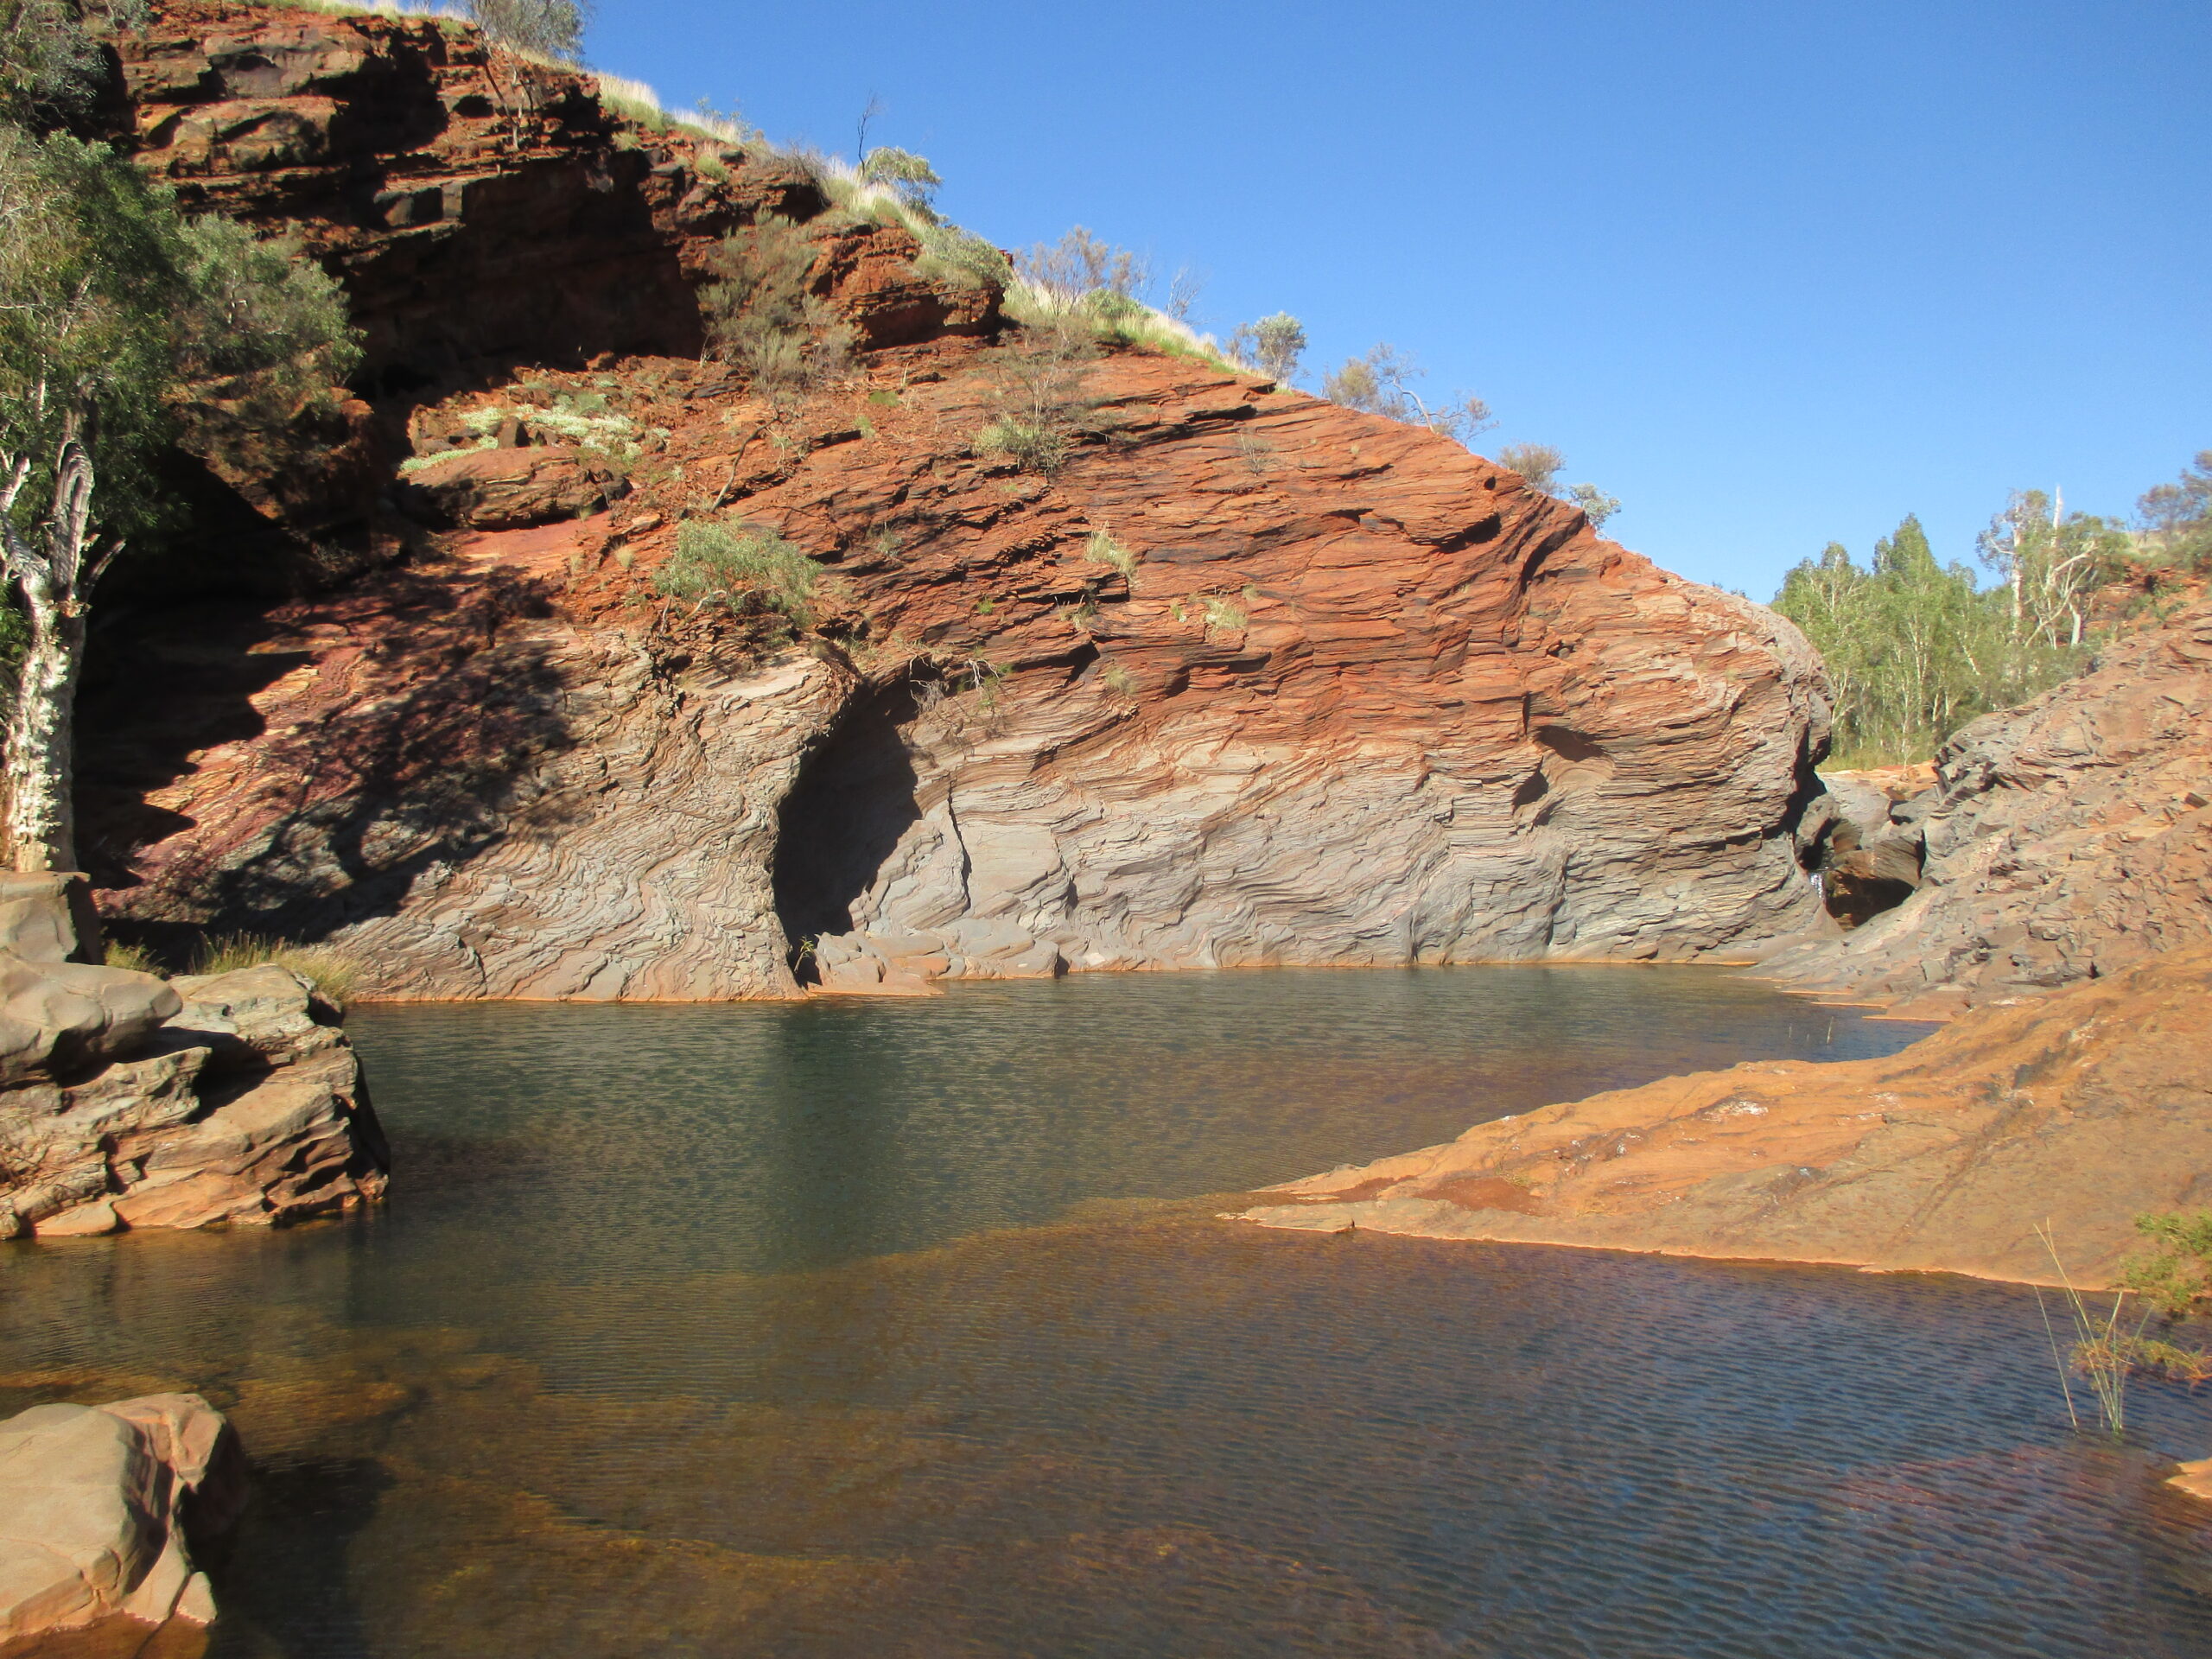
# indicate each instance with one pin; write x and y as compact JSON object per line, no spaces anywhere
{"x":889,"y":1329}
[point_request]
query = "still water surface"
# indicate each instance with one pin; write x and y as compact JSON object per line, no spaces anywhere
{"x":890,"y":1329}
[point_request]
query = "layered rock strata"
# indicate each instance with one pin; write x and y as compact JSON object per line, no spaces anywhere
{"x":1247,"y":678}
{"x":1253,"y":678}
{"x":96,"y":1502}
{"x":2063,"y":840}
{"x":127,"y":1101}
{"x":2076,"y":1112}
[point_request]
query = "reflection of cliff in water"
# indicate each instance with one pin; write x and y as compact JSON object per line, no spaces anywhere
{"x":839,"y":1328}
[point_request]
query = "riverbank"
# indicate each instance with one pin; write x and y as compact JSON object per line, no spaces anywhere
{"x":2076,"y":1111}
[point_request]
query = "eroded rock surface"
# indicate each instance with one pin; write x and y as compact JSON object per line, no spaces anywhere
{"x":1251,"y":678}
{"x":228,"y":1098}
{"x":95,"y":1504}
{"x":2065,"y":840}
{"x":2080,"y":1110}
{"x":1372,"y":700}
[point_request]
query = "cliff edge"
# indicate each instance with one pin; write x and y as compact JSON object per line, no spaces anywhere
{"x":1243,"y":677}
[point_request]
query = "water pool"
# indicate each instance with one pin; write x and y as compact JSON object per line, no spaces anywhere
{"x":889,"y":1328}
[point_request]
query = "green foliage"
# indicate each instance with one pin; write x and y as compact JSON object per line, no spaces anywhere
{"x":1596,"y":505}
{"x":2175,"y":1274}
{"x":92,"y":283}
{"x":1381,"y":383}
{"x":913,"y":180}
{"x":1037,"y":398}
{"x":50,"y":57}
{"x":1223,"y":612}
{"x":1103,"y":548}
{"x":1913,"y":648}
{"x":116,"y":312}
{"x":2050,"y":564}
{"x":131,"y":958}
{"x":545,"y":28}
{"x":762,"y":313}
{"x":730,"y":566}
{"x":2177,"y":518}
{"x":1273,"y":346}
{"x":1539,"y":463}
{"x":1082,"y":282}
{"x":1081,"y":264}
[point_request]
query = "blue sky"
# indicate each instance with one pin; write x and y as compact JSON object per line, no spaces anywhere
{"x":1771,"y":274}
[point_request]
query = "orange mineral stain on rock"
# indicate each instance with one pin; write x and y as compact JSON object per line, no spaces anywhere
{"x":2078,"y":1111}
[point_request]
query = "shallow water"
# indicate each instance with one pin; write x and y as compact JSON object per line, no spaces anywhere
{"x":878,"y":1329}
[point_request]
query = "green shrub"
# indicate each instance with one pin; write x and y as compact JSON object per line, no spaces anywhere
{"x":1223,"y":613}
{"x":1037,"y":398}
{"x":762,"y":315}
{"x":543,"y":29}
{"x":725,"y":566}
{"x":334,"y":974}
{"x":2174,"y":1276}
{"x":1273,"y":346}
{"x":132,"y":959}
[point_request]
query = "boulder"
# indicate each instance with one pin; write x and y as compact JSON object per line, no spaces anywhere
{"x":95,"y":1506}
{"x":47,"y":916}
{"x":250,"y":1017}
{"x":60,"y":1017}
{"x":125,"y":1105}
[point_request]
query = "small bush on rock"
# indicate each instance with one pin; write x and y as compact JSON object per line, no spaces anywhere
{"x":761,"y":314}
{"x":726,"y":566}
{"x":334,"y":973}
{"x":1037,"y":398}
{"x":545,"y":28}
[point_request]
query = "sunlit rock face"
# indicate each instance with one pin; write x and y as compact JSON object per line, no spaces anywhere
{"x":2066,"y":839}
{"x":1249,"y":678}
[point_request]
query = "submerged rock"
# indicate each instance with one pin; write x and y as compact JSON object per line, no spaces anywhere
{"x":2079,"y":1111}
{"x":96,"y":1502}
{"x":226,"y":1097}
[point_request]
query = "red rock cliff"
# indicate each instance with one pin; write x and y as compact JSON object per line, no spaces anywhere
{"x":1356,"y":695}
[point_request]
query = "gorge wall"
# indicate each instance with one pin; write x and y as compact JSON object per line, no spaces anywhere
{"x":2064,"y":840}
{"x":1251,"y":678}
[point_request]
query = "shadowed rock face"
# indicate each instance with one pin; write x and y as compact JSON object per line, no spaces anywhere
{"x":1377,"y":702}
{"x":1349,"y":694}
{"x":2080,"y":1110}
{"x":2065,"y":840}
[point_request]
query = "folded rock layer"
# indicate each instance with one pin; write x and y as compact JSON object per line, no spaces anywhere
{"x":1247,"y":677}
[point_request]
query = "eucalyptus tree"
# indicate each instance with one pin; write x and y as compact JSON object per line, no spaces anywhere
{"x":123,"y":327}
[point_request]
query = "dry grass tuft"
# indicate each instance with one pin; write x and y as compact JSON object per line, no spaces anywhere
{"x":334,"y":973}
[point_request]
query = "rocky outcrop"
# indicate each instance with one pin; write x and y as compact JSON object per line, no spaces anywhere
{"x":1250,"y":678}
{"x":1254,"y":678}
{"x":126,"y":1101}
{"x":96,"y":1503}
{"x":2064,"y":840}
{"x":2078,"y":1112}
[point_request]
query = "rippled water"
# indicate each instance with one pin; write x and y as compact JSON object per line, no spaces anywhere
{"x":889,"y":1329}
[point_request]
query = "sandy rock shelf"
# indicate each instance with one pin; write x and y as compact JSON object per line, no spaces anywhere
{"x":2082,"y":1110}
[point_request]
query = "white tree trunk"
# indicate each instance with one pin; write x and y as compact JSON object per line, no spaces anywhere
{"x":41,"y":757}
{"x":50,"y":572}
